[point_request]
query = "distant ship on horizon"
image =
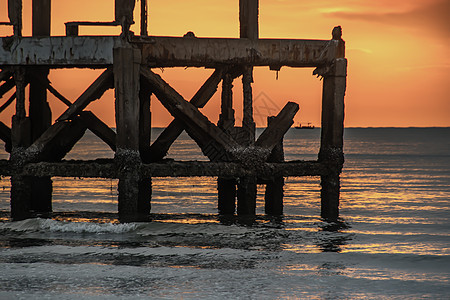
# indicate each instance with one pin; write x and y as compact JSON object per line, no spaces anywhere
{"x":308,"y":126}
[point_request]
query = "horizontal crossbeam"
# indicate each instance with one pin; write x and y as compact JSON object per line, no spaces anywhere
{"x":108,"y":169}
{"x":96,"y":51}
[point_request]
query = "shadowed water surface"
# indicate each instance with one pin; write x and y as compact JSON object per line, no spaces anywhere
{"x":392,"y":240}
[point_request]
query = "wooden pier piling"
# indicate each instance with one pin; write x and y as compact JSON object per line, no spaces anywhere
{"x":237,"y":159}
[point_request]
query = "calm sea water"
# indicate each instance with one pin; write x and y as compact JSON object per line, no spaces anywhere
{"x":393,"y":240}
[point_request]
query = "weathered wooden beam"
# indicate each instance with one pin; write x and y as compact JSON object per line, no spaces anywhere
{"x":123,"y":11}
{"x":41,"y":17}
{"x":248,"y":19}
{"x":134,"y":190}
{"x":276,"y":130}
{"x":108,"y":169}
{"x":85,"y":169}
{"x":15,"y":15}
{"x":332,"y":134}
{"x":214,"y":142}
{"x":58,"y":51}
{"x":248,"y":124}
{"x":96,"y":51}
{"x":226,"y":187}
{"x":103,"y":83}
{"x":161,"y":145}
{"x":144,"y":29}
{"x":20,"y":131}
{"x":39,"y":111}
{"x":211,"y":52}
{"x":274,"y":187}
{"x":127,"y":85}
{"x":226,"y":117}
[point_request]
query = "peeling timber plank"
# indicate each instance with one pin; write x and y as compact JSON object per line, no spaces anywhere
{"x":96,"y":51}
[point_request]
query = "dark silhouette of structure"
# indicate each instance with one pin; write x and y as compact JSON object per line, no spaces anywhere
{"x":239,"y":160}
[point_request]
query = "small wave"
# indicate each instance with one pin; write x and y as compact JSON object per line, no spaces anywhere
{"x":65,"y":226}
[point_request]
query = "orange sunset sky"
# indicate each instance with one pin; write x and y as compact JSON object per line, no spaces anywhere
{"x":398,"y":52}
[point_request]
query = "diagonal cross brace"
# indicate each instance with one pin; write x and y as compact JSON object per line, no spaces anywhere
{"x":214,"y":142}
{"x":93,"y":123}
{"x":103,"y":83}
{"x":278,"y":127}
{"x":162,"y":144}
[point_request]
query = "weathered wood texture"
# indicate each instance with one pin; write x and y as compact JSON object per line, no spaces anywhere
{"x":226,"y":117}
{"x":144,"y":29}
{"x":274,"y":187}
{"x":96,"y":51}
{"x":41,"y":17}
{"x":209,"y":52}
{"x":39,"y":109}
{"x":248,"y":124}
{"x":331,"y":147}
{"x":126,"y":83}
{"x":58,"y":51}
{"x":334,"y":86}
{"x":40,"y":113}
{"x":248,"y":19}
{"x":108,"y":169}
{"x":277,"y":128}
{"x":123,"y":11}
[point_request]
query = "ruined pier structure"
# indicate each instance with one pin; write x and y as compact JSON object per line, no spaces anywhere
{"x":237,"y":159}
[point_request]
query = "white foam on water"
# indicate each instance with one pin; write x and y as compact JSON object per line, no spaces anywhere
{"x":33,"y":225}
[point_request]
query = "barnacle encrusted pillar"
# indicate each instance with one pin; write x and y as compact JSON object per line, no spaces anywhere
{"x":40,"y":112}
{"x":249,"y":29}
{"x":133,"y":190}
{"x":20,"y":136}
{"x":226,"y":187}
{"x":331,"y":147}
